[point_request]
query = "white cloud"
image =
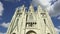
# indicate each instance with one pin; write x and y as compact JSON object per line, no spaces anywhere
{"x":1,"y":9}
{"x":4,"y":25}
{"x":57,"y":30}
{"x":54,"y":10}
{"x":2,"y":33}
{"x":43,"y":3}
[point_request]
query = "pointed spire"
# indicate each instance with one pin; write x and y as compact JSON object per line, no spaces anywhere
{"x":31,"y":9}
{"x":39,"y":8}
{"x":22,"y":8}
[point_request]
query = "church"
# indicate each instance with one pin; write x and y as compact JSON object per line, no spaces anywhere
{"x":31,"y":21}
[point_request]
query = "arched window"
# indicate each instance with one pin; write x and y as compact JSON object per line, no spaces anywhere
{"x":14,"y":33}
{"x":31,"y":32}
{"x":48,"y":33}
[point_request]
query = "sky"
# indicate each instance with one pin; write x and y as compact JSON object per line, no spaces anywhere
{"x":8,"y":7}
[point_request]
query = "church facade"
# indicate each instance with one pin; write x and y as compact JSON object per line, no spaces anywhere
{"x":31,"y":22}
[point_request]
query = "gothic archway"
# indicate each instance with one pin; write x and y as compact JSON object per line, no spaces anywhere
{"x":31,"y":32}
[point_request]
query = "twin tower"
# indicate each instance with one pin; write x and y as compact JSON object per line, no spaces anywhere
{"x":31,"y":22}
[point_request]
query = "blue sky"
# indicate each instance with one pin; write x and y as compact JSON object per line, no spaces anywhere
{"x":7,"y":9}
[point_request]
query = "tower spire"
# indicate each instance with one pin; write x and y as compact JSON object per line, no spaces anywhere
{"x":39,"y":8}
{"x":21,"y":9}
{"x":31,"y":9}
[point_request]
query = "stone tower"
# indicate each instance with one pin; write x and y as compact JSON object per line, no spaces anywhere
{"x":31,"y":22}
